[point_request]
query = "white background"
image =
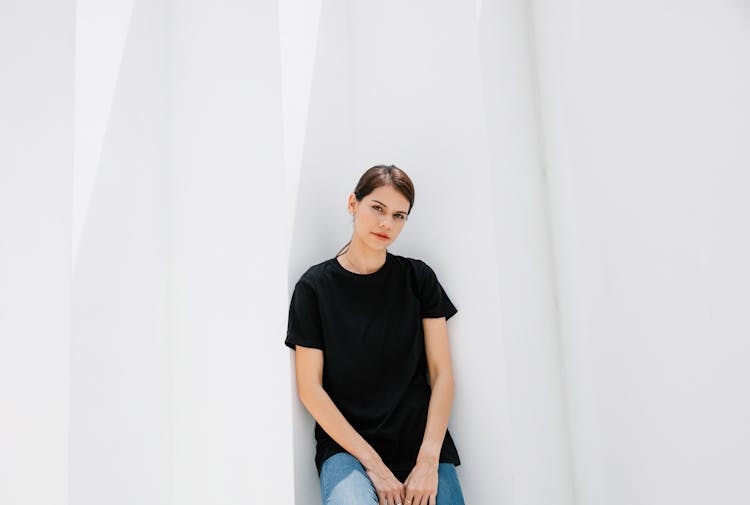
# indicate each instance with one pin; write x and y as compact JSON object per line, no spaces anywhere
{"x":168,"y":169}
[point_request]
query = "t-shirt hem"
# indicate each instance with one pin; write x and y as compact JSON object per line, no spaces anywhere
{"x":293,"y":343}
{"x":449,"y":459}
{"x":402,"y":473}
{"x":447,"y":314}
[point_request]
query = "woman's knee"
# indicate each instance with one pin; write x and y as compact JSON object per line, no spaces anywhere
{"x":343,"y":481}
{"x":449,"y":489}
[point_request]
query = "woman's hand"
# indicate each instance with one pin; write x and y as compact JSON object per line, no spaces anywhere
{"x":389,"y":489}
{"x":421,"y":485}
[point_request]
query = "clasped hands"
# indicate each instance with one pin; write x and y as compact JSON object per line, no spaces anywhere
{"x":419,"y":488}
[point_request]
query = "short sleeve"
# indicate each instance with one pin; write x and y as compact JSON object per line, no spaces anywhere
{"x":434,"y":302}
{"x":304,"y":326}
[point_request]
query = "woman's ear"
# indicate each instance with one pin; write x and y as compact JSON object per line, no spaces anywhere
{"x":351,"y":204}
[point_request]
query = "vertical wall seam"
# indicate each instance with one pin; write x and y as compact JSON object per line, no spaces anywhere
{"x":550,"y":235}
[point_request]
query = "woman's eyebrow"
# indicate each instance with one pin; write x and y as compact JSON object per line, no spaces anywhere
{"x":384,"y":205}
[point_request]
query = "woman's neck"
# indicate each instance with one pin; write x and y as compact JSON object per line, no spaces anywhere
{"x":363,"y":259}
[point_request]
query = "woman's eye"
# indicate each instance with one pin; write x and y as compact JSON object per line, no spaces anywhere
{"x":377,"y":207}
{"x":400,"y":216}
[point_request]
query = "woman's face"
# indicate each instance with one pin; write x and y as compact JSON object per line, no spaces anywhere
{"x":379,"y":217}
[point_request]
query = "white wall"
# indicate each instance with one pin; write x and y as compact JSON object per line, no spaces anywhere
{"x":36,"y":173}
{"x":527,"y":308}
{"x":178,"y":252}
{"x":232,"y":390}
{"x":120,"y":352}
{"x":580,"y":176}
{"x":646,"y":119}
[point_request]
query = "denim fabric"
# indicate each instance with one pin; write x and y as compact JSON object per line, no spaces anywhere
{"x":343,"y":481}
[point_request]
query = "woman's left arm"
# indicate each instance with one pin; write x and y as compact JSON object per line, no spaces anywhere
{"x":421,"y":484}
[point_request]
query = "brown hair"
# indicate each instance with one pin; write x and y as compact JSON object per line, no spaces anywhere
{"x":382,"y":175}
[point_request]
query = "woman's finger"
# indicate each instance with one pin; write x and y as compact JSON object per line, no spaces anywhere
{"x":409,"y":500}
{"x":400,"y":497}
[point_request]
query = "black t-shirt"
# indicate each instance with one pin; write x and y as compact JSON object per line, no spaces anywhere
{"x":369,"y":327}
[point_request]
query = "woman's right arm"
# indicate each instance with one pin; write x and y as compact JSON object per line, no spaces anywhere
{"x":309,"y":370}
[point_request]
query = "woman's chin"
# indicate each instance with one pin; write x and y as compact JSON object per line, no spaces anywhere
{"x":379,"y":245}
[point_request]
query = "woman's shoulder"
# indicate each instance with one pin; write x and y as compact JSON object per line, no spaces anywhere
{"x":412,"y":263}
{"x":419,"y":269}
{"x":315,"y":272}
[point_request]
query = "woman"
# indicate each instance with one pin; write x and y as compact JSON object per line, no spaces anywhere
{"x":373,"y":360}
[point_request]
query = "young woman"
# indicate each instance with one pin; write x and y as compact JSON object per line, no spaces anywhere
{"x":373,"y":361}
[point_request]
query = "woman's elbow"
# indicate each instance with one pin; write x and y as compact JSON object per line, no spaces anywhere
{"x":306,"y":391}
{"x":444,"y":379}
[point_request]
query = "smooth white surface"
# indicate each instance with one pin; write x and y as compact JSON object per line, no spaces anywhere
{"x":232,"y":391}
{"x":121,"y":377}
{"x":101,"y":30}
{"x":528,"y":316}
{"x":298,"y":36}
{"x":146,"y":376}
{"x":646,"y":119}
{"x":36,"y":176}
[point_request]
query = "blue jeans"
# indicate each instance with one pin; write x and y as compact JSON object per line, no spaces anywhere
{"x":343,"y":481}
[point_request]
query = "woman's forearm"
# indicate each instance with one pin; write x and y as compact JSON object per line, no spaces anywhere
{"x":438,"y":414}
{"x":329,"y":417}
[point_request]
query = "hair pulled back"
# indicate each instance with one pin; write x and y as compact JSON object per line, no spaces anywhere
{"x":382,"y":175}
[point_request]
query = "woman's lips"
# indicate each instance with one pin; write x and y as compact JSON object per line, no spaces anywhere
{"x":383,"y":237}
